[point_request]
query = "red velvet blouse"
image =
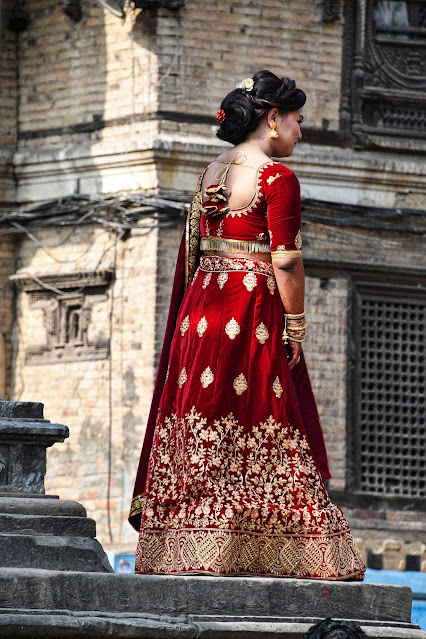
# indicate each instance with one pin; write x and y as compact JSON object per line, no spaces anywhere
{"x":272,"y":216}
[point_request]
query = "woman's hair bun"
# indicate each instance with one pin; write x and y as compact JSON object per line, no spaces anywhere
{"x":245,"y":108}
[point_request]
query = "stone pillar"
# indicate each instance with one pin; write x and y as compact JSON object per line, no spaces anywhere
{"x":38,"y":530}
{"x":24,"y":437}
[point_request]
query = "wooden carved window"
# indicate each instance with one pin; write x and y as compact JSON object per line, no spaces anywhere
{"x":384,"y":74}
{"x":388,"y":422}
{"x":67,"y":302}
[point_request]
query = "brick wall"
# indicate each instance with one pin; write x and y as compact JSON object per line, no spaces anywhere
{"x":103,"y":402}
{"x":105,"y":68}
{"x":71,"y":74}
{"x":326,"y":357}
{"x":8,"y":82}
{"x":7,"y":268}
{"x":208,"y":47}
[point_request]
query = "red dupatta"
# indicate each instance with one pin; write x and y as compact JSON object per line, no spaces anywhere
{"x":187,"y":262}
{"x":188,"y":258}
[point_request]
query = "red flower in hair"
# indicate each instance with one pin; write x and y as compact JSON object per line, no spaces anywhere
{"x":220,"y":116}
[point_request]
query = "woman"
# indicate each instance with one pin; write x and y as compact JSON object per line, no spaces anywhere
{"x":231,"y":481}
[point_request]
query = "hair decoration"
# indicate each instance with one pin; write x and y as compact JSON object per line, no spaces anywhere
{"x":220,"y":116}
{"x":246,"y":84}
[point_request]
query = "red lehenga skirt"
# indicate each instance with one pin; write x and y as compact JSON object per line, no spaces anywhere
{"x":232,"y":487}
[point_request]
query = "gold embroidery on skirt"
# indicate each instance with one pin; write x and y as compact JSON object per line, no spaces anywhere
{"x":240,"y":384}
{"x":250,"y":281}
{"x":184,"y":325}
{"x":298,"y":240}
{"x":222,"y":278}
{"x":228,"y":526}
{"x":202,"y":326}
{"x":215,"y":263}
{"x":262,"y":333}
{"x":232,"y":329}
{"x":206,"y":280}
{"x":234,"y":552}
{"x":277,"y":388}
{"x":207,"y":377}
{"x":182,"y":377}
{"x":195,"y":276}
{"x":271,"y":284}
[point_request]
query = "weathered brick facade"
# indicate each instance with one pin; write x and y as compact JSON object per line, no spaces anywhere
{"x":107,"y":105}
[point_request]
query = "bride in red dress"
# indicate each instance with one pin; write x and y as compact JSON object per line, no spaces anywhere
{"x":230,"y":480}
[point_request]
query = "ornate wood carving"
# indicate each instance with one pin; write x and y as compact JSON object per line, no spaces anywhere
{"x":383,"y":95}
{"x":67,"y":315}
{"x":331,"y":10}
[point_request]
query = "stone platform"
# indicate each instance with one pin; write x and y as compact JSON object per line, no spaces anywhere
{"x":40,"y":604}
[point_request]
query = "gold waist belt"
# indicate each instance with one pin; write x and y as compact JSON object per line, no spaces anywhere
{"x":229,"y":245}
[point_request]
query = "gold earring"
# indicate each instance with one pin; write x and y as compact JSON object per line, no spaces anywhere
{"x":273,"y":134}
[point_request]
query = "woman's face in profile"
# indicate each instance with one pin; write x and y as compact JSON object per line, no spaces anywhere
{"x":288,"y":129}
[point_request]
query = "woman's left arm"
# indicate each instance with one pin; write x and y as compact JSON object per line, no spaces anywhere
{"x":282,"y":192}
{"x":290,"y":276}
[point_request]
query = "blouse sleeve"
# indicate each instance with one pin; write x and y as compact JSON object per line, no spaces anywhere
{"x":282,"y":193}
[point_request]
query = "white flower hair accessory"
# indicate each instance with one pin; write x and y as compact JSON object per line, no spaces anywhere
{"x":246,"y":84}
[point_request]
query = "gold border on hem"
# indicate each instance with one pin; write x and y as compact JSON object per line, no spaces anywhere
{"x":320,"y":555}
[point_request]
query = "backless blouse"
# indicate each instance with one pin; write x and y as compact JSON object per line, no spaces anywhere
{"x":270,"y":222}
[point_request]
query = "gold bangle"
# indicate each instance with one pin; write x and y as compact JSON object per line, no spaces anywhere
{"x":295,"y":315}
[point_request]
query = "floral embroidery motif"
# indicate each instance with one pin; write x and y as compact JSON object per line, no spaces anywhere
{"x":207,"y":377}
{"x":228,"y":498}
{"x":216,"y":263}
{"x":262,"y":333}
{"x":184,"y":325}
{"x":220,"y":227}
{"x":280,"y":247}
{"x":298,"y":240}
{"x":182,"y":377}
{"x":260,"y":237}
{"x":208,"y":228}
{"x":202,"y":326}
{"x":250,"y":281}
{"x":240,"y":384}
{"x":232,"y":329}
{"x":277,"y":388}
{"x":222,"y":278}
{"x":195,"y":276}
{"x":192,"y":233}
{"x":272,"y":178}
{"x":271,"y":284}
{"x":270,"y":235}
{"x":206,"y":280}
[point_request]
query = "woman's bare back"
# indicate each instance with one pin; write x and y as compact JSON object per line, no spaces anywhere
{"x":241,"y":175}
{"x":239,"y":167}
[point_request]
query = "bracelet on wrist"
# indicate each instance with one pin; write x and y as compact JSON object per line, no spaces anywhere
{"x":294,"y":327}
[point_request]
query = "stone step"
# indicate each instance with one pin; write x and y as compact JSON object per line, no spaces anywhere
{"x":44,"y":604}
{"x":41,"y":505}
{"x":53,"y":552}
{"x":205,"y":597}
{"x":47,"y":525}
